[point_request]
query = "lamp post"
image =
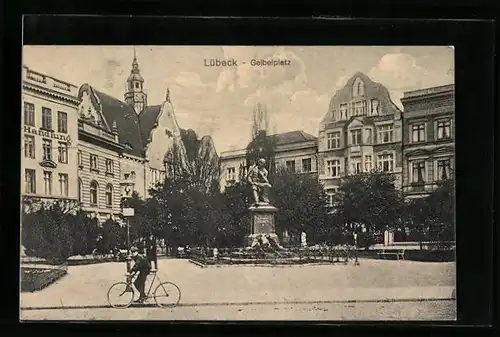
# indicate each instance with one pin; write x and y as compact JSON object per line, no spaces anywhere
{"x":127,"y":213}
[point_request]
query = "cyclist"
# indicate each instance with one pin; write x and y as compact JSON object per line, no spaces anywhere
{"x":142,"y":266}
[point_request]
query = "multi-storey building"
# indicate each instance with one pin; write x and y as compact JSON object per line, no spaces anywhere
{"x":49,"y":138}
{"x":99,"y":154}
{"x":295,"y":150}
{"x":360,"y":132}
{"x":428,"y":139}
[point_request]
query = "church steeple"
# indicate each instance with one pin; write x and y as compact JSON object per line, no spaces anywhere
{"x":134,"y":95}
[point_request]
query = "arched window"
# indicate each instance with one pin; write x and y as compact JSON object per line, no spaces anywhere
{"x":109,"y":195}
{"x":94,"y":187}
{"x":80,"y":191}
{"x":358,"y":88}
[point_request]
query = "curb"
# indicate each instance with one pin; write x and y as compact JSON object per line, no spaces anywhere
{"x":210,"y":304}
{"x":268,"y":265}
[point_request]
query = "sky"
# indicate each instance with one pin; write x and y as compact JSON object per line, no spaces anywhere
{"x":219,"y":101}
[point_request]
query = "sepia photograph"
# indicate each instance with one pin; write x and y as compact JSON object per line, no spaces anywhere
{"x":237,"y":183}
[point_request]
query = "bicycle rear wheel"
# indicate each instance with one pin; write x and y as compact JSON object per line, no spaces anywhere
{"x":120,"y":295}
{"x":167,"y":295}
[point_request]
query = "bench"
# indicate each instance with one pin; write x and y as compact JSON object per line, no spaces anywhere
{"x":398,"y":253}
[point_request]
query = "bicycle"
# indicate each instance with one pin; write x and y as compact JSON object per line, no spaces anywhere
{"x":125,"y":291}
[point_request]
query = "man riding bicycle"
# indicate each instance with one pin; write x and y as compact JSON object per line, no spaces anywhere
{"x":141,"y":266}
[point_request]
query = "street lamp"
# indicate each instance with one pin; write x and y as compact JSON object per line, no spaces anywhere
{"x":127,"y":213}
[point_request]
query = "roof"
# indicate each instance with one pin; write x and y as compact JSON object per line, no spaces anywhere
{"x":293,"y":137}
{"x":148,"y":118}
{"x":127,"y":122}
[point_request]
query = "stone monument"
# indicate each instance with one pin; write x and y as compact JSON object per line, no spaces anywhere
{"x":262,"y":213}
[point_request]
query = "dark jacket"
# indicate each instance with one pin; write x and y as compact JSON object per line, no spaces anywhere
{"x":141,"y":264}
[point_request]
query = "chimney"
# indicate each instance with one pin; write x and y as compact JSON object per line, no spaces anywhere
{"x":114,"y":128}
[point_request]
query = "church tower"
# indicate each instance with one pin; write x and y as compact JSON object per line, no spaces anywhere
{"x":134,"y":95}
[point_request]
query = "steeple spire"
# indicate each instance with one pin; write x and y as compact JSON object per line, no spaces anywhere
{"x":134,"y":95}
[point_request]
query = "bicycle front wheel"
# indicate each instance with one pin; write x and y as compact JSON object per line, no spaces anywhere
{"x":120,"y":295}
{"x":167,"y":295}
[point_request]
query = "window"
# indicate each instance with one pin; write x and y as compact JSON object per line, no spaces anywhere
{"x":80,"y":159}
{"x":93,"y":192}
{"x":343,"y":111}
{"x":80,"y":190}
{"x":330,"y":194}
{"x":358,"y":88}
{"x":109,"y":195}
{"x":356,"y":137}
{"x":360,"y":108}
{"x":290,"y":165}
{"x":62,"y":122}
{"x":29,"y":146}
{"x":385,"y":162}
{"x":375,"y":106}
{"x":109,"y":166}
{"x":47,"y":178}
{"x":137,"y":85}
{"x":46,"y":118}
{"x":231,"y":174}
{"x":306,"y":165}
{"x":63,"y":152}
{"x":418,"y":172}
{"x":30,"y":180}
{"x":418,"y":133}
{"x":368,"y":163}
{"x":47,"y":149}
{"x":333,"y":168}
{"x":29,"y":114}
{"x":443,"y":129}
{"x":385,"y":133}
{"x":333,"y":139}
{"x":93,"y":162}
{"x":368,"y":136}
{"x":443,"y":169}
{"x":63,"y":184}
{"x":356,"y":166}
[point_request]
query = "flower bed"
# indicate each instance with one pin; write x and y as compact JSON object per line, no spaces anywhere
{"x":90,"y":259}
{"x":339,"y":254}
{"x":37,"y":278}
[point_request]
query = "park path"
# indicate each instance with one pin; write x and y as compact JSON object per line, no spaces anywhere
{"x":373,"y":280}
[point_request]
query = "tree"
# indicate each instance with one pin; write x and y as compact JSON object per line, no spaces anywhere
{"x":370,"y":200}
{"x":301,"y":201}
{"x":46,"y":231}
{"x":262,"y":146}
{"x":232,"y":223}
{"x":85,"y":233}
{"x":433,"y":217}
{"x":110,"y":236}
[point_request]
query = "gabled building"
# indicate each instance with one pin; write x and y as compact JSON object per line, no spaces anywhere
{"x":149,"y":134}
{"x":294,"y":150}
{"x":360,"y":132}
{"x":428,"y":141}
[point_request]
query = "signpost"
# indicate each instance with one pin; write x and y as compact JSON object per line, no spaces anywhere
{"x":128,"y":212}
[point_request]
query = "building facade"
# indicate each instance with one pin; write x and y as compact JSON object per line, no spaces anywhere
{"x":428,"y":139}
{"x":49,"y":169}
{"x":99,"y":154}
{"x":295,"y":151}
{"x":361,"y":132}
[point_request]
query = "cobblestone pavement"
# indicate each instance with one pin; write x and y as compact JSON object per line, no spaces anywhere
{"x":298,"y":292}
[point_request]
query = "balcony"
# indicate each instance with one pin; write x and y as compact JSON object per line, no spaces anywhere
{"x":419,"y":188}
{"x":95,"y":130}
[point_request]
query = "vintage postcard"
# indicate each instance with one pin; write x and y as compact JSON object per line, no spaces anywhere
{"x":238,"y":183}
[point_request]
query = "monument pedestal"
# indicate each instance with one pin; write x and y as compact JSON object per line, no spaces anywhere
{"x":262,"y":222}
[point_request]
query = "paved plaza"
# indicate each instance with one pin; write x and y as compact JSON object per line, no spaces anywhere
{"x":374,"y":290}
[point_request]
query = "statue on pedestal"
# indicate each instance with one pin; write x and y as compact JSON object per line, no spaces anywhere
{"x":257,"y":177}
